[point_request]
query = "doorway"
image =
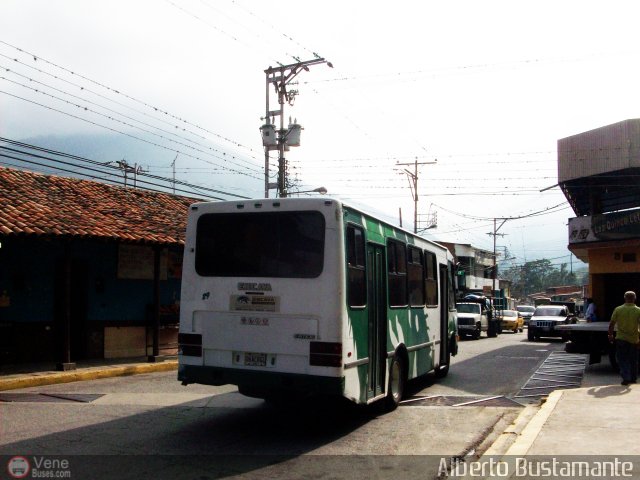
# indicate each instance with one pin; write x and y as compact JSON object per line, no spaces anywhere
{"x":377,"y":319}
{"x":71,"y":300}
{"x":444,"y":315}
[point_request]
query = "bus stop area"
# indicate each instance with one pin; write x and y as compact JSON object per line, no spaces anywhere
{"x":569,"y":422}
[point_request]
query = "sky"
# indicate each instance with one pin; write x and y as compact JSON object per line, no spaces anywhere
{"x":478,"y":93}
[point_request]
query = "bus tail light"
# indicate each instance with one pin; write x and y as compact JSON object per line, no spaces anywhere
{"x":190,"y":344}
{"x":325,"y":354}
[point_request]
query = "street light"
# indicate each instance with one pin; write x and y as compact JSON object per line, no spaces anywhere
{"x":320,"y":190}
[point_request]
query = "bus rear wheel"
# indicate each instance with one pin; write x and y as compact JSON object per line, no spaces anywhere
{"x":443,"y":369}
{"x":395,"y":389}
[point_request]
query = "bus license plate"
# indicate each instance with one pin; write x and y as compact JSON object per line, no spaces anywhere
{"x":255,"y":359}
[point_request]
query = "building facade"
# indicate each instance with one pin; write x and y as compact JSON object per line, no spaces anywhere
{"x":599,"y":173}
{"x":87,"y":270}
{"x":474,"y":268}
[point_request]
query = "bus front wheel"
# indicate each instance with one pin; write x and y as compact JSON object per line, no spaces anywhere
{"x":395,"y":389}
{"x":443,"y":368}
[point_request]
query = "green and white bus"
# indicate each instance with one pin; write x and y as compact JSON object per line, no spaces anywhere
{"x":284,"y":297}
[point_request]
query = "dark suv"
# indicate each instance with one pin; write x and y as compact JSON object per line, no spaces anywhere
{"x":546,"y":318}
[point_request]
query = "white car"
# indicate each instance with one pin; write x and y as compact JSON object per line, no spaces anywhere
{"x":526,"y":311}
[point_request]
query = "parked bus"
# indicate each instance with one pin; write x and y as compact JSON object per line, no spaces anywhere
{"x":284,"y":297}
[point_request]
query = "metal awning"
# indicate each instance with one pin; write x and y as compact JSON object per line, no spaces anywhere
{"x":604,"y":193}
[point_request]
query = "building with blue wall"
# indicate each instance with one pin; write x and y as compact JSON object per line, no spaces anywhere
{"x":87,"y":270}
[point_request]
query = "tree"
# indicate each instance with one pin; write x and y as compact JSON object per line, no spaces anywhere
{"x":536,"y":276}
{"x":561,"y":276}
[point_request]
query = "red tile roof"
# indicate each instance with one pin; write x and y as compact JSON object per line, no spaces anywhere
{"x":37,"y":204}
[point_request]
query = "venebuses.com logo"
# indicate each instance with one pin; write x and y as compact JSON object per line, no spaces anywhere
{"x":38,"y":467}
{"x":18,"y":467}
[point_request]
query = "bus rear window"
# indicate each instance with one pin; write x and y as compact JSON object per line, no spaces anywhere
{"x":265,"y":244}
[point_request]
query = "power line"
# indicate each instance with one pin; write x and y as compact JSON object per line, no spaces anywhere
{"x":501,"y":180}
{"x":291,"y":39}
{"x":193,"y":15}
{"x":76,"y":172}
{"x":110,"y":110}
{"x":395,"y":158}
{"x":113,"y":90}
{"x":86,"y":109}
{"x":384,"y":169}
{"x":124,"y":133}
{"x":440,"y":194}
{"x":464,"y":69}
{"x":103,"y":178}
{"x":288,"y":37}
{"x":216,"y":28}
{"x":94,"y":164}
{"x":434,"y":183}
{"x":528,"y":215}
{"x":106,"y":98}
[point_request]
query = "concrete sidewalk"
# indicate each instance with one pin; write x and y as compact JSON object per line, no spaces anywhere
{"x":37,"y":374}
{"x":597,"y":419}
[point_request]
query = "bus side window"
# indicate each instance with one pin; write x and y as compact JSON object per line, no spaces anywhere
{"x":415,"y":271}
{"x":431,"y":278}
{"x":356,"y":277}
{"x":397,"y":273}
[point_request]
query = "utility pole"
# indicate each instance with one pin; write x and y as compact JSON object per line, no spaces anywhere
{"x":413,"y":185}
{"x":495,"y":234}
{"x":126,"y":169}
{"x":280,"y":77}
{"x":571,"y":263}
{"x":173,"y":164}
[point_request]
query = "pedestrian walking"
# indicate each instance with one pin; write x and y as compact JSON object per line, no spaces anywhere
{"x":626,"y":320}
{"x":590,"y":314}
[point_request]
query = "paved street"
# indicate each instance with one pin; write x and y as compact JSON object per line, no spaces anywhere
{"x":493,"y":366}
{"x":153,"y":416}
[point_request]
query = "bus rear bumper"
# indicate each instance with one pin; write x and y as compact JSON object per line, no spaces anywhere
{"x":262,"y":384}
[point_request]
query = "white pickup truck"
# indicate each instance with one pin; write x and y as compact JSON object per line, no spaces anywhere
{"x":472,"y":319}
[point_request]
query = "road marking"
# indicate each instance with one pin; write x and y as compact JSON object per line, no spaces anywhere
{"x":418,"y":399}
{"x":559,"y":370}
{"x":476,"y":401}
{"x":460,"y":401}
